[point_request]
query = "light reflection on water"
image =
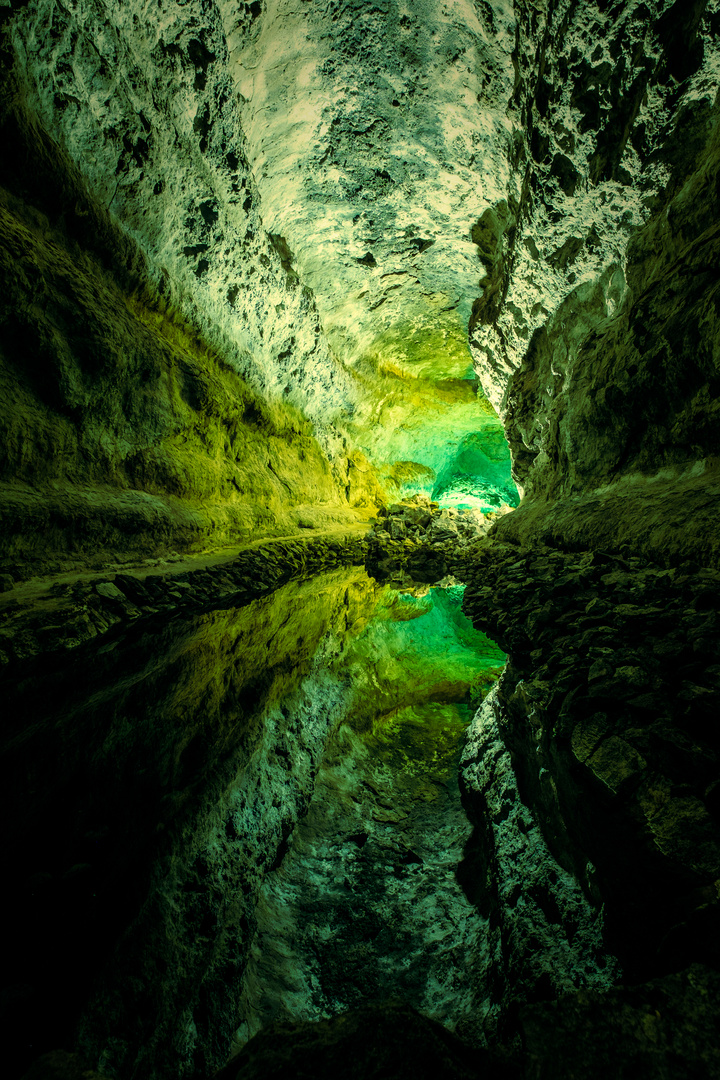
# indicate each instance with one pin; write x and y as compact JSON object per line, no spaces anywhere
{"x":160,"y":779}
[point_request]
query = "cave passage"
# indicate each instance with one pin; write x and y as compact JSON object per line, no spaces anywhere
{"x":285,"y":291}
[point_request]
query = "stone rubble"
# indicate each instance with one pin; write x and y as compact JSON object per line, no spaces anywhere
{"x":419,"y":541}
{"x":85,"y":609}
{"x":413,"y":542}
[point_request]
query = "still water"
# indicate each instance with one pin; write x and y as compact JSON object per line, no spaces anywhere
{"x":245,"y":814}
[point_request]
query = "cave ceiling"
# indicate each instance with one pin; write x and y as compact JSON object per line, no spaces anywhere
{"x":377,"y":212}
{"x":362,"y":133}
{"x":305,"y":179}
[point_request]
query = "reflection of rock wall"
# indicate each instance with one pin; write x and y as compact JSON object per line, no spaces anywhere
{"x":365,"y":904}
{"x":549,"y":936}
{"x":165,"y":772}
{"x":165,"y":769}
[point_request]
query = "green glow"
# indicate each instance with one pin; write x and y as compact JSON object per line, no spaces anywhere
{"x":421,"y":742}
{"x":431,"y":346}
{"x":478,"y":475}
{"x":418,"y":649}
{"x":429,"y":427}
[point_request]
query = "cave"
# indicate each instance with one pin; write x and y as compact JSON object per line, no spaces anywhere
{"x":359,"y":545}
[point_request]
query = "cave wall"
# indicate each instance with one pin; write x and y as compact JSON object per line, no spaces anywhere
{"x":236,"y":202}
{"x":327,"y":197}
{"x":134,"y":421}
{"x":598,"y":327}
{"x":140,"y":100}
{"x":124,"y":433}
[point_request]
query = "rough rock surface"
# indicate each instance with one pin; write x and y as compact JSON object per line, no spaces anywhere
{"x":548,"y":934}
{"x":608,"y":707}
{"x":141,"y":102}
{"x":365,"y":903}
{"x":325,"y":192}
{"x":374,"y":1041}
{"x":601,"y":343}
{"x":147,"y":108}
{"x":378,"y":134}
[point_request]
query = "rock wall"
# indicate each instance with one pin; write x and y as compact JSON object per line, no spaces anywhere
{"x":145,"y":399}
{"x":148,"y":107}
{"x":329,"y":194}
{"x":139,"y":98}
{"x":598,"y":328}
{"x":124,"y":431}
{"x":378,"y":134}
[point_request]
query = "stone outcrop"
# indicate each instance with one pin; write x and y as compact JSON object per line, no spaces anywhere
{"x":77,"y":608}
{"x":667,"y":1029}
{"x":608,"y":708}
{"x":418,"y":541}
{"x":392,"y":1040}
{"x":603,"y":353}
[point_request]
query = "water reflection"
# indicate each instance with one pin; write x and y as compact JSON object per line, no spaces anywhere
{"x":156,"y":784}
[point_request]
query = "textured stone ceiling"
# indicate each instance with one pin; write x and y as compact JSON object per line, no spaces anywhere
{"x":379,"y":212}
{"x":304,"y":180}
{"x":362,"y":130}
{"x":361,"y":125}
